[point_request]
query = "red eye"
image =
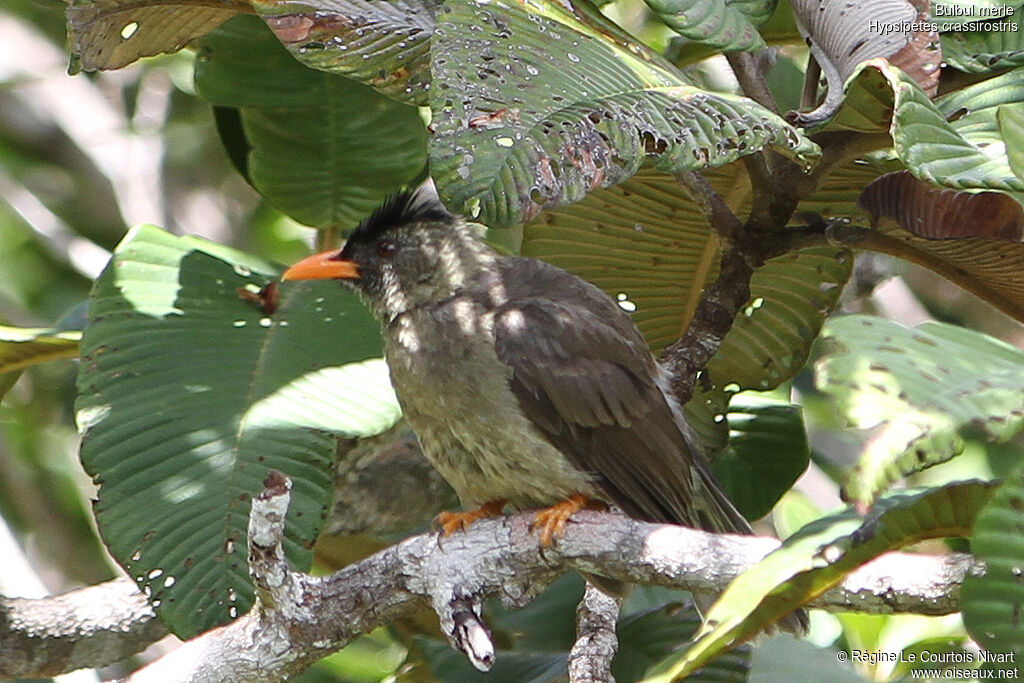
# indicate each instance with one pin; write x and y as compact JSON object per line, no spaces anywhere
{"x":385,"y":248}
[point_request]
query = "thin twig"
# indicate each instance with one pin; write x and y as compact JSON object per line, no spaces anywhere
{"x":751,"y":78}
{"x":809,"y":93}
{"x":719,"y":216}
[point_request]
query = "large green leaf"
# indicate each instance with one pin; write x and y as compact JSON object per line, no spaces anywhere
{"x":1011,"y":121}
{"x":921,"y":386}
{"x":767,"y":453}
{"x":771,"y":338}
{"x":838,"y":194}
{"x":324,"y":149}
{"x":382,"y":44}
{"x":966,"y":153}
{"x":996,"y":44}
{"x":820,"y":555}
{"x":993,"y":601}
{"x":190,"y":393}
{"x":536,"y":104}
{"x":959,"y":133}
{"x":714,"y":22}
{"x":109,"y":34}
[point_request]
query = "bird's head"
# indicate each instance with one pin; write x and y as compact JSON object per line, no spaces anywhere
{"x":410,"y":251}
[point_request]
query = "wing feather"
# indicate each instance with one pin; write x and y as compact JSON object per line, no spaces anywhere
{"x":584,"y":375}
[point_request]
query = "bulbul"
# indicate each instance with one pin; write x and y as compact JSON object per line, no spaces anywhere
{"x":526,"y":385}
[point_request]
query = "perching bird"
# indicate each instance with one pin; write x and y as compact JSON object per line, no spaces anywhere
{"x":526,"y":385}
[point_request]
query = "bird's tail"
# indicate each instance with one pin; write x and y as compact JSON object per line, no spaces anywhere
{"x":720,"y":515}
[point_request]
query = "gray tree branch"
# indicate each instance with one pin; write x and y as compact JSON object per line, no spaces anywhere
{"x":590,"y":660}
{"x":300,"y":618}
{"x":90,"y":627}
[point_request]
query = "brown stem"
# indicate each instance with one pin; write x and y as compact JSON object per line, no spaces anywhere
{"x":712,"y":320}
{"x":809,"y":94}
{"x":750,"y":74}
{"x":720,"y":217}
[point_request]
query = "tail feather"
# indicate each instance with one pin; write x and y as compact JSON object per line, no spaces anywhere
{"x":722,"y":516}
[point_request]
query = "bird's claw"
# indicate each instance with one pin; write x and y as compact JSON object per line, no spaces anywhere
{"x":450,"y":522}
{"x":550,"y":522}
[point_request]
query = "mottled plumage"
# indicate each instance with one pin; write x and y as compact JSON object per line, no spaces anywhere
{"x":471,"y":335}
{"x":524,"y":383}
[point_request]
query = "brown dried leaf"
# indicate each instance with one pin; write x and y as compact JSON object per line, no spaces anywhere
{"x":921,"y":58}
{"x":110,"y":34}
{"x":936,"y":213}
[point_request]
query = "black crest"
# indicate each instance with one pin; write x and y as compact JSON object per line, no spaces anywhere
{"x":417,"y":205}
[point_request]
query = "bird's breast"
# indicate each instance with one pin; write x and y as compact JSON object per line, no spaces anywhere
{"x":455,"y":393}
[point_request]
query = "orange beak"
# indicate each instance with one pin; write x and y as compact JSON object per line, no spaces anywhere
{"x":323,"y":266}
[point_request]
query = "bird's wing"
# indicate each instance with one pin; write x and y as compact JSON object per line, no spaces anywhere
{"x":585,"y":376}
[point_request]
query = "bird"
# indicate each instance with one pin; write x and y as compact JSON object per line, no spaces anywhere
{"x":527,"y":386}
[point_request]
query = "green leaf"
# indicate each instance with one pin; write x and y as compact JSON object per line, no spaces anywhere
{"x":382,"y":44}
{"x":964,"y":106}
{"x":771,"y":337}
{"x":21,"y":347}
{"x":1011,"y":123}
{"x":839,"y":192}
{"x":713,"y":22}
{"x":189,"y":394}
{"x":820,"y":555}
{"x":646,"y":638}
{"x":767,"y":453}
{"x":920,"y":386}
{"x":535,"y":105}
{"x":110,"y":34}
{"x":868,"y":101}
{"x":992,"y":602}
{"x":319,"y":151}
{"x":964,"y":154}
{"x":970,"y":118}
{"x":993,"y":46}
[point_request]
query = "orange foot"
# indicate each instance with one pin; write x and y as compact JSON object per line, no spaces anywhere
{"x":450,"y":522}
{"x":552,"y":520}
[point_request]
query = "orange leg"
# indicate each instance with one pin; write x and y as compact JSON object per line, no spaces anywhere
{"x":450,"y":522}
{"x":551,"y":521}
